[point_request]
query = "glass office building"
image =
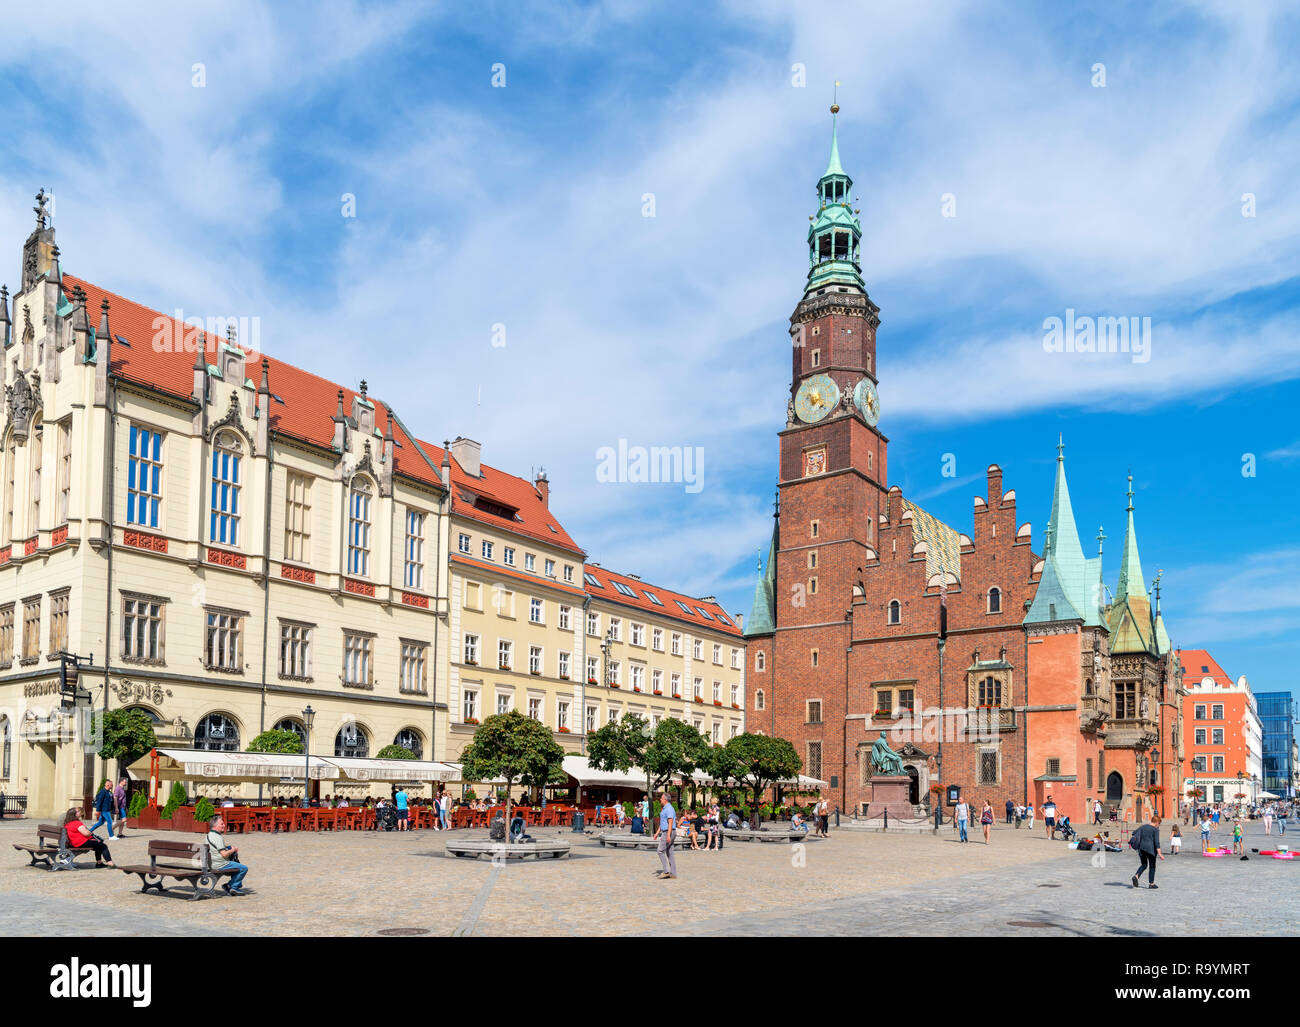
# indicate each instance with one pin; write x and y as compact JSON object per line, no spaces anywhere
{"x":1277,"y":717}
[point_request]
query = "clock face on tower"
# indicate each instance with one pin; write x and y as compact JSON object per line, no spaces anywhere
{"x":816,"y":398}
{"x":866,"y":399}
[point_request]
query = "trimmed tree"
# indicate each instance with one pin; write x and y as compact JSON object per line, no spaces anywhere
{"x":395,"y":752}
{"x":510,"y":746}
{"x":127,"y":735}
{"x":620,"y":745}
{"x":762,"y":761}
{"x":676,"y":748}
{"x":289,"y":742}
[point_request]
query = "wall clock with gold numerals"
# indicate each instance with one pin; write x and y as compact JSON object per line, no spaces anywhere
{"x":816,"y":398}
{"x":866,"y":399}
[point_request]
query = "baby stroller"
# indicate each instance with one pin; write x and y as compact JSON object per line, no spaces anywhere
{"x":1066,"y":831}
{"x":386,"y":818}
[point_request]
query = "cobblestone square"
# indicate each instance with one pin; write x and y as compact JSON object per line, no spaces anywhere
{"x":857,"y":883}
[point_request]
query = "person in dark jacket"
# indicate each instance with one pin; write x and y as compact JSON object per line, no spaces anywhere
{"x":1011,"y":808}
{"x":104,"y":807}
{"x":1146,"y":840}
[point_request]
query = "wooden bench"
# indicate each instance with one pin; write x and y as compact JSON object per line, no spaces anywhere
{"x":51,"y":851}
{"x":181,"y":861}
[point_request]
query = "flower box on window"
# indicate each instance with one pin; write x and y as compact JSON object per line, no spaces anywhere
{"x":563,"y":730}
{"x":471,"y":720}
{"x":735,"y":706}
{"x":636,"y":688}
{"x":564,"y":677}
{"x":503,"y":666}
{"x":535,"y":673}
{"x":591,"y":681}
{"x":717,"y":702}
{"x":471,"y":663}
{"x":613,"y":684}
{"x":677,"y":695}
{"x":659,"y":691}
{"x":699,"y":700}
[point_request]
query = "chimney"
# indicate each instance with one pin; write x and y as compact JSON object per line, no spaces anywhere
{"x":467,"y":453}
{"x":340,"y":440}
{"x":446,"y":464}
{"x":543,"y":486}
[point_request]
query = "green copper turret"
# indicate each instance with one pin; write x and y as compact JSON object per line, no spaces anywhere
{"x":835,"y":235}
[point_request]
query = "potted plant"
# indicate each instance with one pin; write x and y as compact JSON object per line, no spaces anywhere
{"x":204,"y":811}
{"x":471,"y":663}
{"x":613,"y":684}
{"x":717,"y":702}
{"x":659,"y":691}
{"x":563,"y":730}
{"x":591,"y":681}
{"x":471,"y":720}
{"x":699,"y":700}
{"x":133,"y":808}
{"x":564,"y":677}
{"x":735,"y":706}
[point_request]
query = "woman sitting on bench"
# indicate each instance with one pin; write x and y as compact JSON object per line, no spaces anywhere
{"x":80,"y":837}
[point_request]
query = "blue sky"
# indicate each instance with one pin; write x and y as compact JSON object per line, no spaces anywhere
{"x":522,"y":206}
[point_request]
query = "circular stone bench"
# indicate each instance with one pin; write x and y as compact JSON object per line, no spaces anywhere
{"x":681,"y":839}
{"x":744,"y":834}
{"x":483,"y":847}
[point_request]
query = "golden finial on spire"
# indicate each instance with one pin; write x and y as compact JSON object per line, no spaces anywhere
{"x":835,"y":107}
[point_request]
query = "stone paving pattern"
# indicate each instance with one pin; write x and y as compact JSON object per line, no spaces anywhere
{"x":857,"y":883}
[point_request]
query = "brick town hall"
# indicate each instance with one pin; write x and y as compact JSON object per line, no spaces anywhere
{"x":992,"y":668}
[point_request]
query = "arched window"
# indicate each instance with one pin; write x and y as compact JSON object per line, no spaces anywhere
{"x":995,"y":600}
{"x":760,"y":700}
{"x":409,"y":739}
{"x":217,"y":733}
{"x":351,"y":741}
{"x":359,"y":527}
{"x":294,"y":725}
{"x":895,"y":612}
{"x":35,"y":445}
{"x":760,"y":660}
{"x":227,"y":454}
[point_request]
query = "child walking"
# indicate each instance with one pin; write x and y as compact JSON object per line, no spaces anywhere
{"x":1175,"y":841}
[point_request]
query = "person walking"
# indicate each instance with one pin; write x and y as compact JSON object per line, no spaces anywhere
{"x":1011,"y":809}
{"x":823,"y":818}
{"x":1268,"y":819}
{"x":1175,"y":841}
{"x":1238,"y":841}
{"x":1205,"y":834}
{"x":986,"y":820}
{"x":1146,"y":839}
{"x":962,"y":815}
{"x":1029,"y":815}
{"x":119,"y":801}
{"x":1281,"y":820}
{"x":1096,"y":811}
{"x":664,"y":835}
{"x":103,"y":805}
{"x":444,"y":809}
{"x":403,"y":811}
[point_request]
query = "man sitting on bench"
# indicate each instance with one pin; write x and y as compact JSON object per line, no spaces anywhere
{"x":81,"y":837}
{"x":223,"y":857}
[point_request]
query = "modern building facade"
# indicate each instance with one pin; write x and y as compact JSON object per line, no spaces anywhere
{"x":1277,"y":721}
{"x":1225,"y":745}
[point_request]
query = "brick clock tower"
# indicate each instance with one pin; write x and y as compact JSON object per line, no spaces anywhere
{"x":832,"y":492}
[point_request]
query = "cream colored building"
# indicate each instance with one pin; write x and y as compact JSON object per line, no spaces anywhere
{"x":224,"y":539}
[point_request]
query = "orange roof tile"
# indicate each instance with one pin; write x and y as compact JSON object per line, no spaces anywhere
{"x":718,"y":619}
{"x":1198,"y":664}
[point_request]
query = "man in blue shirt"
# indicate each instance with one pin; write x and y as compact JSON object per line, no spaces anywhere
{"x":403,"y":814}
{"x":664,"y":835}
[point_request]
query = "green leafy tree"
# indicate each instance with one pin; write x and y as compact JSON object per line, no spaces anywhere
{"x":620,"y":745}
{"x":762,"y":761}
{"x":277,"y":741}
{"x":395,"y":752}
{"x":676,"y":749}
{"x":204,"y":810}
{"x":136,"y":803}
{"x":175,"y":801}
{"x":127,"y":734}
{"x":510,"y":746}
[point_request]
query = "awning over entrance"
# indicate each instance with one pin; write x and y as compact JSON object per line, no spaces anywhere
{"x":354,"y":768}
{"x":208,"y":765}
{"x":587,"y":776}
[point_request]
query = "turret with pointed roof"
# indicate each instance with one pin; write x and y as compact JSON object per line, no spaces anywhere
{"x":762,"y":615}
{"x":1132,"y":626}
{"x":835,"y":234}
{"x":1069,"y":588}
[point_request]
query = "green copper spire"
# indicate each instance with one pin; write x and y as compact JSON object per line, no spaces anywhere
{"x":762,"y":615}
{"x":835,"y":235}
{"x":1131,"y":622}
{"x":1130,"y":568}
{"x":1069,"y":581}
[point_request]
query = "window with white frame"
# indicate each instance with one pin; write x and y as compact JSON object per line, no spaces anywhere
{"x":735,"y":659}
{"x":413,"y":570}
{"x":507,"y":556}
{"x":697,"y":649}
{"x":562,"y":715}
{"x":656,"y":719}
{"x":638,"y":634}
{"x":143,"y":477}
{"x":717,"y":655}
{"x":535,"y":707}
{"x":530,"y":562}
{"x":297,"y":517}
{"x":295,"y":650}
{"x":227,"y":459}
{"x":535,"y":611}
{"x":717,"y":732}
{"x":357,"y":652}
{"x":550,"y":568}
{"x":564,"y":664}
{"x":592,"y":713}
{"x":615,"y":673}
{"x":471,"y":649}
{"x":657,"y":681}
{"x":413,"y":667}
{"x":593,"y":623}
{"x":698,"y":689}
{"x":735,"y":695}
{"x":566,"y":618}
{"x":657,"y":640}
{"x":593,"y":668}
{"x":638,"y":678}
{"x":613,"y":717}
{"x":142,"y":628}
{"x":505,"y":653}
{"x":224,"y":642}
{"x":462,"y":543}
{"x":677,"y":686}
{"x":616,"y":628}
{"x":487,"y":550}
{"x":568,"y":572}
{"x":677,"y":644}
{"x":469,"y":705}
{"x":65,"y":469}
{"x":534,"y":659}
{"x":735,"y":730}
{"x":717,"y":691}
{"x":359,"y":527}
{"x":505,"y":702}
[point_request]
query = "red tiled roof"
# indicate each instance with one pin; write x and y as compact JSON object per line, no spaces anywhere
{"x":310,"y":403}
{"x":1193,"y":660}
{"x":721,"y":621}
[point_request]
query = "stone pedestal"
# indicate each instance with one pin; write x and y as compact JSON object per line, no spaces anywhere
{"x":891,"y":793}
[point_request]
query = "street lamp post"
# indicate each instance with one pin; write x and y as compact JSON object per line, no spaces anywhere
{"x":308,"y":718}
